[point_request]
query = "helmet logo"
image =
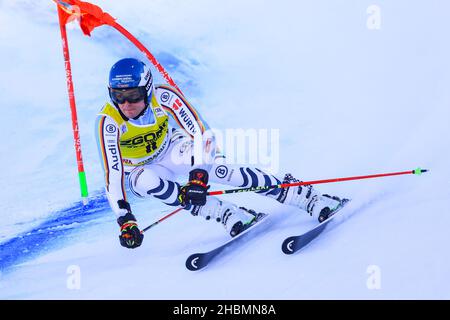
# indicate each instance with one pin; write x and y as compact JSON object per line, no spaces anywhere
{"x":148,"y":77}
{"x":131,"y":73}
{"x":122,"y":80}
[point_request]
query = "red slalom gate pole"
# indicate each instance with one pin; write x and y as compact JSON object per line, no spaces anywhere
{"x":151,"y":57}
{"x":73,"y":109}
{"x":417,"y":171}
{"x":92,"y":16}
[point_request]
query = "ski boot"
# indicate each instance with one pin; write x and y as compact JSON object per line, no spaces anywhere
{"x":235,"y":219}
{"x":307,"y":198}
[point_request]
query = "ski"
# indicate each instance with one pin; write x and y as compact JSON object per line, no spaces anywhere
{"x":199,"y":261}
{"x":293,"y":244}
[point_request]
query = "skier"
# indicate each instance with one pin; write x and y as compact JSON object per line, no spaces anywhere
{"x":137,"y":143}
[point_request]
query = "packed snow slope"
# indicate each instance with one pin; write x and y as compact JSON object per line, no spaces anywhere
{"x":346,"y":98}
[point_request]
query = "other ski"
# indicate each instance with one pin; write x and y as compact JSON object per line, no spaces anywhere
{"x":199,"y":261}
{"x":294,"y":243}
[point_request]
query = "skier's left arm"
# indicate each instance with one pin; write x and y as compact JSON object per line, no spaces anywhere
{"x":107,"y":132}
{"x":190,"y":120}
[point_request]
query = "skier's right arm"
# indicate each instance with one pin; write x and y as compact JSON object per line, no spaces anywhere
{"x":111,"y":159}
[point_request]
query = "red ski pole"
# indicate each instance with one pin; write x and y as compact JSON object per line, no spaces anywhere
{"x":417,"y":171}
{"x":162,"y":219}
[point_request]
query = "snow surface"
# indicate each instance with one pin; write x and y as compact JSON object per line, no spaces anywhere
{"x":347,"y":101}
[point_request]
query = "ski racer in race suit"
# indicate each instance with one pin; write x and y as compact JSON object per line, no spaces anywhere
{"x":139,"y":148}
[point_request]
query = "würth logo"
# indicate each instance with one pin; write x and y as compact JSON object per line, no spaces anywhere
{"x":177,"y":104}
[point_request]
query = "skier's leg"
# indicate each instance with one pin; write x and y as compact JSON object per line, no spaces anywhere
{"x":244,"y":177}
{"x":233,"y":218}
{"x":304,"y":197}
{"x":154,"y":181}
{"x":157,"y":180}
{"x":146,"y":182}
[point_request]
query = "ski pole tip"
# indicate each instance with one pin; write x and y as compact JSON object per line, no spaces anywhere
{"x":419,"y":171}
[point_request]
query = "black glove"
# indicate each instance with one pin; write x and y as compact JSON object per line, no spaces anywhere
{"x":130,"y":235}
{"x":195,"y":191}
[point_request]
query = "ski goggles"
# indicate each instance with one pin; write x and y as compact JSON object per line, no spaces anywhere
{"x":133,"y":95}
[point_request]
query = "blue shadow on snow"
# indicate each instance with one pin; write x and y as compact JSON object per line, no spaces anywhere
{"x":53,"y":232}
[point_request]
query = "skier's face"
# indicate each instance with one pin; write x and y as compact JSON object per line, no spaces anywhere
{"x":132,"y":110}
{"x":130,"y":101}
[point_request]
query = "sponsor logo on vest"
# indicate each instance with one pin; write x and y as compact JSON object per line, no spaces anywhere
{"x":130,"y":162}
{"x":127,"y":162}
{"x":150,"y":139}
{"x":159,"y":112}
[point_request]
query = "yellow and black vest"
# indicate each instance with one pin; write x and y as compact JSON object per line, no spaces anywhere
{"x":140,"y":144}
